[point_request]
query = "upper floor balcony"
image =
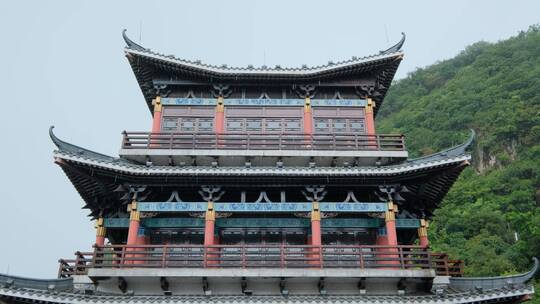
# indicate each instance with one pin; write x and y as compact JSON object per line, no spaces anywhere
{"x":268,"y":259}
{"x":286,"y":149}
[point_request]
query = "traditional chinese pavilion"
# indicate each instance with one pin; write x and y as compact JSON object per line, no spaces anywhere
{"x":262,"y":185}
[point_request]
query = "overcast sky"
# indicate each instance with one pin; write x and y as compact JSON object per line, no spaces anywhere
{"x":62,"y":64}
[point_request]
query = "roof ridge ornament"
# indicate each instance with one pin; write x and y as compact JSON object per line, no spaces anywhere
{"x":450,"y":152}
{"x":131,"y":44}
{"x":396,"y":47}
{"x":74,"y":149}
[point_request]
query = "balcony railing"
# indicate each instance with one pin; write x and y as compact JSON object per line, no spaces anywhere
{"x":257,"y":256}
{"x":249,"y":141}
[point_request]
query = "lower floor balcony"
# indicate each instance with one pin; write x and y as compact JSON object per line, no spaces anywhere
{"x":270,"y":260}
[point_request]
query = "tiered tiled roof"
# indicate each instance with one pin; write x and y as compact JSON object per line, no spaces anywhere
{"x":145,"y":62}
{"x":426,"y":192}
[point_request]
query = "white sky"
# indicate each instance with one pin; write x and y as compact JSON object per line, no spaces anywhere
{"x":62,"y":63}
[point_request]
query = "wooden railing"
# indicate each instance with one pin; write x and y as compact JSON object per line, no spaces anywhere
{"x":444,"y":266}
{"x":256,"y":256}
{"x":248,"y":141}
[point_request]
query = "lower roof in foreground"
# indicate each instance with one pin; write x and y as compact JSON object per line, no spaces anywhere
{"x":491,"y":296}
{"x":503,"y":289}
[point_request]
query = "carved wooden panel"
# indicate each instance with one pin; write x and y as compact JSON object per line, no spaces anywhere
{"x":188,"y":119}
{"x":263,"y":119}
{"x":338,"y":120}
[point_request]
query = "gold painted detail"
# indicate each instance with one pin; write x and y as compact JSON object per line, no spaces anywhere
{"x":210,"y":212}
{"x":370,"y":105}
{"x":424,"y":225}
{"x":220,"y":107}
{"x":316,"y":212}
{"x":390,"y":215}
{"x":134,"y":214}
{"x":99,"y":222}
{"x":307,"y":105}
{"x":100,"y":230}
{"x":157,"y":104}
{"x":392,"y":207}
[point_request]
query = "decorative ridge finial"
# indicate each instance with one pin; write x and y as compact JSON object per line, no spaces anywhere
{"x":57,"y":142}
{"x":130,"y":44}
{"x":451,"y":152}
{"x":62,"y":145}
{"x":396,"y":47}
{"x":533,"y":271}
{"x":71,"y":148}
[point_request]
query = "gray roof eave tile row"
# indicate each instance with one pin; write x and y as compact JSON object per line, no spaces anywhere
{"x":44,"y":296}
{"x":392,"y":52}
{"x":277,"y":71}
{"x":135,"y":169}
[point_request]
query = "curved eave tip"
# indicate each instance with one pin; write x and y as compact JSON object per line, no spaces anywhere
{"x":525,"y":277}
{"x":536,"y":266}
{"x":130,"y":44}
{"x":396,"y":47}
{"x":471,"y":139}
{"x":57,"y":142}
{"x":467,"y":144}
{"x":461,"y":149}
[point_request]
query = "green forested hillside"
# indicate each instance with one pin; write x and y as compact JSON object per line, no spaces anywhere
{"x":495,"y":90}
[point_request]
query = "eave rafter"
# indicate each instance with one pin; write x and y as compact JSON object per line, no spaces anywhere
{"x":95,"y":192}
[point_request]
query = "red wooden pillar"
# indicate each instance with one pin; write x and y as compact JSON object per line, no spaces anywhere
{"x":219,"y":123}
{"x":141,"y":240}
{"x":390,"y":219}
{"x":316,"y":237}
{"x":156,"y":122}
{"x":391,"y":233}
{"x":209,"y":226}
{"x":141,"y":236}
{"x":422,"y":233}
{"x":100,"y":232}
{"x":134,"y":219}
{"x":381,"y":240}
{"x":308,"y":117}
{"x":133,"y":230}
{"x":370,"y":124}
{"x":209,"y":234}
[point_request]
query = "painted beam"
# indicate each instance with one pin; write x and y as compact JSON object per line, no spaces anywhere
{"x":261,"y":207}
{"x":354,"y":207}
{"x":263,"y":102}
{"x":260,"y":222}
{"x":407,"y":223}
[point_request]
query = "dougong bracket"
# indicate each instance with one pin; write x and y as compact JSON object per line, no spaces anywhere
{"x":211,"y":193}
{"x":305,"y":90}
{"x":221,"y":90}
{"x":314,"y":193}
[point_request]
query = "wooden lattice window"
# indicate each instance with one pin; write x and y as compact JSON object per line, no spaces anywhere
{"x":339,"y":120}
